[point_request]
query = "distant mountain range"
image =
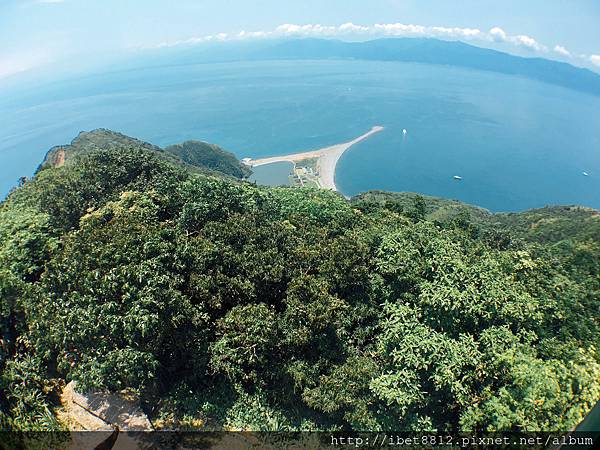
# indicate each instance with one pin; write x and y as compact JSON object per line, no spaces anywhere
{"x":418,"y":50}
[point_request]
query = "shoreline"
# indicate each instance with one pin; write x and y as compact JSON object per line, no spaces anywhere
{"x":327,"y":158}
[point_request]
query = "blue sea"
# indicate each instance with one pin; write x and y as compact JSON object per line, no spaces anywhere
{"x":515,"y":142}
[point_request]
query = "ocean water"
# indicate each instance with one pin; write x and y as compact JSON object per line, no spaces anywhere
{"x":515,"y":142}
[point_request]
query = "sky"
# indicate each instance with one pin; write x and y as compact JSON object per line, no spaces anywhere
{"x":35,"y":34}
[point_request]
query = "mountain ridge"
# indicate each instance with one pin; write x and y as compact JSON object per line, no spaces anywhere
{"x":453,"y":53}
{"x":197,"y":156}
{"x":416,"y":50}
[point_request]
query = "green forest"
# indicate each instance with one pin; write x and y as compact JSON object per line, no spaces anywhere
{"x":227,"y":305}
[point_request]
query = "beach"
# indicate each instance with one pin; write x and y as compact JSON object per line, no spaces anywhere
{"x":327,"y":158}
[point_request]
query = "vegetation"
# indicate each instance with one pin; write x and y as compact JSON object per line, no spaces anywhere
{"x":230,"y":305}
{"x":195,"y":156}
{"x":203,"y":154}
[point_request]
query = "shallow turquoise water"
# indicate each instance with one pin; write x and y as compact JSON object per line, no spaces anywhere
{"x":516,"y":143}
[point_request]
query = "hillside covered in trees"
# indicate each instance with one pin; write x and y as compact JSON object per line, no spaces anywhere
{"x":228,"y":305}
{"x":195,"y":156}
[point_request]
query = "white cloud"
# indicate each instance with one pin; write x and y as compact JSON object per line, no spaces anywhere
{"x":251,"y":34}
{"x":528,"y":42}
{"x":461,"y":33}
{"x":497,"y":34}
{"x":400,"y":29}
{"x":351,"y":28}
{"x":561,"y":50}
{"x":289,"y":29}
{"x":346,"y":29}
{"x":494,"y":35}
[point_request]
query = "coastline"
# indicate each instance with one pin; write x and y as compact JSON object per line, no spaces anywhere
{"x":327,"y":158}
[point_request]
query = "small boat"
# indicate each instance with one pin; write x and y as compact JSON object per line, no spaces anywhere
{"x":585,"y":174}
{"x":456,"y":177}
{"x":404,"y":132}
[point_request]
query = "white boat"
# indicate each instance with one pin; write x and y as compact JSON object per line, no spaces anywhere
{"x":456,"y":177}
{"x":404,"y":131}
{"x":585,"y":174}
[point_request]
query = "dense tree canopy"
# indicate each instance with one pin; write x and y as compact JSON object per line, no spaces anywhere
{"x":281,"y":308}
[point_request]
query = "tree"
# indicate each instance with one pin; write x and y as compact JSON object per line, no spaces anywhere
{"x":293,"y":309}
{"x":246,"y":340}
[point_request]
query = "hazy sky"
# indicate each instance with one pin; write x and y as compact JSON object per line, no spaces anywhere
{"x":34,"y":33}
